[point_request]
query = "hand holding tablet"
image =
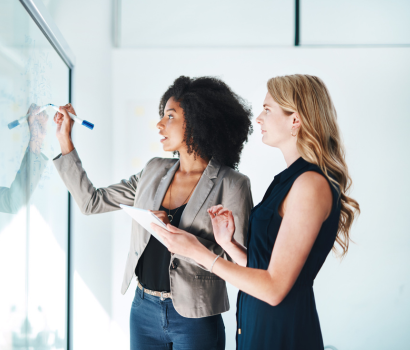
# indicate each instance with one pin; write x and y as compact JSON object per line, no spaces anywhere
{"x":145,"y":218}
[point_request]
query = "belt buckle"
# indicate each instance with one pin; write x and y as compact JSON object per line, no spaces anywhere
{"x":162,"y":296}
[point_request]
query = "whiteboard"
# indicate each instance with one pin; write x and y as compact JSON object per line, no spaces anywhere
{"x":33,"y":199}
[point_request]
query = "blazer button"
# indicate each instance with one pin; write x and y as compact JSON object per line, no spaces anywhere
{"x":174,"y":264}
{"x":136,"y":253}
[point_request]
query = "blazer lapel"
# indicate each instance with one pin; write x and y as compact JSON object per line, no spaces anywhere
{"x":201,"y":192}
{"x":164,"y":184}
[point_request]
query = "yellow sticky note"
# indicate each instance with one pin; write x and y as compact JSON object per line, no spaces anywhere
{"x":154,"y":147}
{"x":153,"y":124}
{"x":136,"y":162}
{"x":139,"y":111}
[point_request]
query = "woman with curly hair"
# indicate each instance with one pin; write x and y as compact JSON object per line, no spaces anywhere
{"x":305,"y":212}
{"x":178,"y":303}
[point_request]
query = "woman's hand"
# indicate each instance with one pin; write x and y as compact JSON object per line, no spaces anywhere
{"x":223,"y":224}
{"x":64,"y":122}
{"x":179,"y":241}
{"x":162,"y":215}
{"x":64,"y":127}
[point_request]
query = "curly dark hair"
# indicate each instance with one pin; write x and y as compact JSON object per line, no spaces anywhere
{"x":217,"y":121}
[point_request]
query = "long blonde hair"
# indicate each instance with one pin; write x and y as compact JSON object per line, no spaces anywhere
{"x":318,"y":139}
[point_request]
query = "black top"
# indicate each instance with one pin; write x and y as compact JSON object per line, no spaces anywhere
{"x":294,"y":323}
{"x":153,"y":266}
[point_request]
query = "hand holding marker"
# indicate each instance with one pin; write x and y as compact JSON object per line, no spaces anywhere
{"x":72,"y":116}
{"x":75,"y":118}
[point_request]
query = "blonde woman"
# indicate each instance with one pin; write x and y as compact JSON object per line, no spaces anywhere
{"x":304,"y":214}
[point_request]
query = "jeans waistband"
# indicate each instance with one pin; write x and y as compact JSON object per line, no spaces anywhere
{"x":153,"y":298}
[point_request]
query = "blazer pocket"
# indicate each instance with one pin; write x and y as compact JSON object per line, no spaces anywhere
{"x":208,"y":278}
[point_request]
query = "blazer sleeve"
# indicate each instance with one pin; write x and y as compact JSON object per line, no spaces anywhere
{"x":240,"y":202}
{"x":93,"y":200}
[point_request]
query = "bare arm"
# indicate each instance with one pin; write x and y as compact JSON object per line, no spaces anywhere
{"x":237,"y":252}
{"x":308,"y":204}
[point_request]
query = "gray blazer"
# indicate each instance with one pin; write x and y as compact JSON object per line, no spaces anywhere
{"x":195,"y":291}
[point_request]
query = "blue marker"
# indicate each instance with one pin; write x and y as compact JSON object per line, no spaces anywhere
{"x":74,"y":117}
{"x":18,"y":122}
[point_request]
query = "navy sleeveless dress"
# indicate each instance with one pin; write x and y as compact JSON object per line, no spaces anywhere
{"x":294,"y":323}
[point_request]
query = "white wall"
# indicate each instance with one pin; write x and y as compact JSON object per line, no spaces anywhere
{"x":364,"y":301}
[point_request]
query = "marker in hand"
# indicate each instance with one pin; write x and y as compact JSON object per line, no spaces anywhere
{"x":75,"y":118}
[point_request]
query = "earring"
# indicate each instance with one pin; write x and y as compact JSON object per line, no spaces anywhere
{"x":291,"y":132}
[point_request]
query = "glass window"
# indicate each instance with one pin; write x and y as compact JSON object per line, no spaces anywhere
{"x":182,"y":23}
{"x":33,"y":200}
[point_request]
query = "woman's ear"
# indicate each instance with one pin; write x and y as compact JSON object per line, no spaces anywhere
{"x":295,"y":121}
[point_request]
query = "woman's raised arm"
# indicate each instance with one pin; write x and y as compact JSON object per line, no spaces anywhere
{"x":90,"y":200}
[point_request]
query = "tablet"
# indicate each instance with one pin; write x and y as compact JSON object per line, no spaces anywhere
{"x":145,"y":218}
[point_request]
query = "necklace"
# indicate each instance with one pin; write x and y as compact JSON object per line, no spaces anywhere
{"x":171,"y":217}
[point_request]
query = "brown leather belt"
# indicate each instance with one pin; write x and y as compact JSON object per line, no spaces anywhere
{"x":161,"y":295}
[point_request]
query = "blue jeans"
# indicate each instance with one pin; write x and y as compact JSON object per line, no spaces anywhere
{"x":154,"y":324}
